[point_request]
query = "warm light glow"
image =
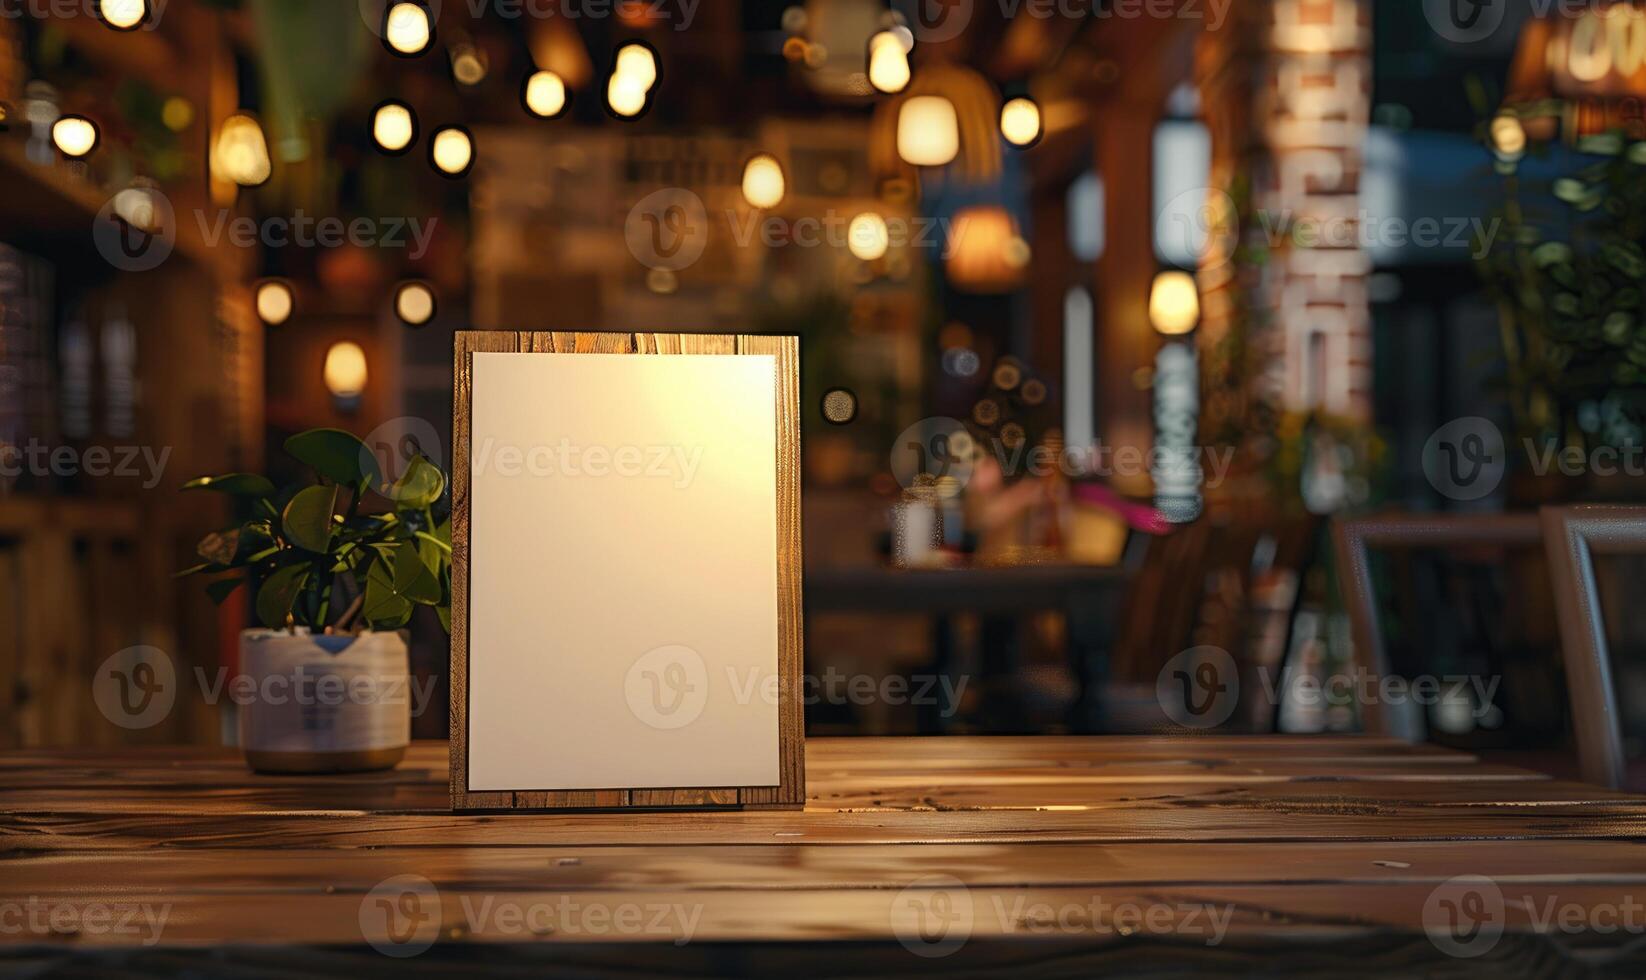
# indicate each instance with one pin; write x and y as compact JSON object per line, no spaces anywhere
{"x":763,"y":182}
{"x":123,"y":15}
{"x":452,"y":151}
{"x":928,"y":131}
{"x":468,"y":65}
{"x":545,"y":94}
{"x":414,"y":304}
{"x":625,"y":95}
{"x":242,"y":154}
{"x":75,"y":136}
{"x":868,"y":237}
{"x":394,"y":127}
{"x":346,"y":370}
{"x":636,"y":63}
{"x":1508,"y":137}
{"x":407,"y":28}
{"x":888,"y":63}
{"x":1174,"y":303}
{"x":986,"y":253}
{"x":177,"y":113}
{"x":1020,"y":121}
{"x":274,"y":302}
{"x":136,"y":205}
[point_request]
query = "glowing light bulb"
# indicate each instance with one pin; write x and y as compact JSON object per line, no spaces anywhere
{"x":637,"y":62}
{"x":75,"y":136}
{"x":1508,"y":137}
{"x":414,"y":303}
{"x":763,"y":182}
{"x":406,"y":29}
{"x":1020,"y":122}
{"x":123,"y":15}
{"x":1174,"y":303}
{"x":274,"y":302}
{"x":242,"y":153}
{"x":452,"y":151}
{"x":928,"y":131}
{"x":888,"y":63}
{"x":867,"y":236}
{"x":345,"y":372}
{"x":625,"y":95}
{"x":545,"y":94}
{"x":468,"y":65}
{"x":394,"y":127}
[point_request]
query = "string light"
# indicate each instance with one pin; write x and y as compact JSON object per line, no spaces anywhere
{"x":414,"y":303}
{"x":868,"y":237}
{"x":452,"y":151}
{"x":275,"y":302}
{"x":928,"y":131}
{"x":468,"y":64}
{"x":544,"y":94}
{"x":634,"y":74}
{"x":763,"y":182}
{"x":1020,"y":121}
{"x":1174,"y":303}
{"x":394,"y":127}
{"x":345,"y":371}
{"x":407,"y":30}
{"x":75,"y":136}
{"x":242,"y":153}
{"x":638,"y":62}
{"x":123,"y":15}
{"x":1508,"y":137}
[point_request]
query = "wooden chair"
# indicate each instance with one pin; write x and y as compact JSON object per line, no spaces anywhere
{"x":1355,"y":537}
{"x":1573,"y":536}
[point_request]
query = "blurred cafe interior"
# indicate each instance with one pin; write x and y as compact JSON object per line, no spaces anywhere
{"x":1133,"y":332}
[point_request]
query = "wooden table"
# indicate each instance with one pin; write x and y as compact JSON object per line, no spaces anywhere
{"x":1059,"y":856}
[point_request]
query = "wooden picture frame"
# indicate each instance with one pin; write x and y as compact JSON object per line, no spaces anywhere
{"x":789,"y":790}
{"x":1573,"y":536}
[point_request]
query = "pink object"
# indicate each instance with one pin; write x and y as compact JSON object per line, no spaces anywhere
{"x":1139,"y":516}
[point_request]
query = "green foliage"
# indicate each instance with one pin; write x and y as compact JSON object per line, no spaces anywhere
{"x":351,"y":532}
{"x":1568,"y":273}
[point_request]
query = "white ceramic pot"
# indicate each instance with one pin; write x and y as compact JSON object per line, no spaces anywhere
{"x":323,"y":703}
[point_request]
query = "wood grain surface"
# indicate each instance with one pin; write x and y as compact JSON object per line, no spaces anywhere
{"x":1324,"y":848}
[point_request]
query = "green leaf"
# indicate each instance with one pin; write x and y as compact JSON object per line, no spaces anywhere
{"x":308,"y":518}
{"x":219,"y":547}
{"x":221,"y":589}
{"x":413,"y":579}
{"x":239,"y":484}
{"x":278,"y":593}
{"x":420,"y":486}
{"x":445,"y":612}
{"x":335,"y":455}
{"x":384,"y":606}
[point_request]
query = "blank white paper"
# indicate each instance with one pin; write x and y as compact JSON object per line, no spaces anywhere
{"x":623,"y":572}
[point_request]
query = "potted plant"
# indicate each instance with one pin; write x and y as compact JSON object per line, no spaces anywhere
{"x":337,"y":565}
